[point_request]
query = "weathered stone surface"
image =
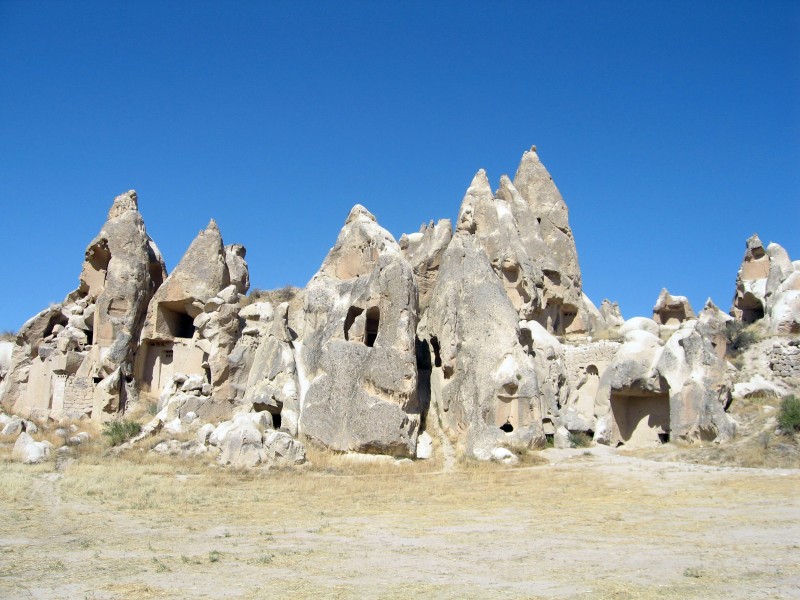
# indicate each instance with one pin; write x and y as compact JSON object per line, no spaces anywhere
{"x":200,"y":275}
{"x":424,"y":251}
{"x":482,"y":379}
{"x":272,"y":383}
{"x":751,"y":282}
{"x":672,"y":310}
{"x":612,"y":316}
{"x":27,"y":450}
{"x":358,"y":388}
{"x":93,"y":334}
{"x":536,"y":186}
{"x":193,"y":325}
{"x":651,"y":394}
{"x":237,"y":267}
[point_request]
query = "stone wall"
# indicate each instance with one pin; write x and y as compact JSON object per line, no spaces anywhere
{"x":577,"y":358}
{"x":784,"y":360}
{"x":78,"y":393}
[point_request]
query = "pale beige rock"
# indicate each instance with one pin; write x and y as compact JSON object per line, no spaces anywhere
{"x":672,"y":310}
{"x":562,"y":285}
{"x":424,"y":251}
{"x":483,"y":383}
{"x":272,"y":384}
{"x":27,"y":450}
{"x":237,"y":267}
{"x":193,"y":325}
{"x":64,"y":351}
{"x":751,"y":283}
{"x":358,"y":385}
{"x":612,"y":316}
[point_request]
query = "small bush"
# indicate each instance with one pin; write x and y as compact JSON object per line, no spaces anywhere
{"x":739,"y":336}
{"x":579,"y":439}
{"x":121,"y":430}
{"x":789,"y":414}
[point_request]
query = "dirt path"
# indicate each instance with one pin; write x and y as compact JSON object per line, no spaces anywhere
{"x":589,"y":525}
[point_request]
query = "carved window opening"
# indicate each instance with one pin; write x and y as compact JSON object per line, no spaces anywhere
{"x":371,"y":329}
{"x":177,"y":322}
{"x":437,"y":357}
{"x":352,"y":313}
{"x":526,"y":340}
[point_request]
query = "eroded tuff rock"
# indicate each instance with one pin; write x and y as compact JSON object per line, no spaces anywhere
{"x":484,"y":337}
{"x":484,"y":387}
{"x":768,"y":285}
{"x":562,"y":285}
{"x":672,"y":310}
{"x":653,"y":391}
{"x":424,"y":251}
{"x":193,"y":325}
{"x":273,"y":383}
{"x":358,"y":373}
{"x":77,"y":357}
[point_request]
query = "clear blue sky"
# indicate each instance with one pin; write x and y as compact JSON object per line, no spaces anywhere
{"x":672,"y":129}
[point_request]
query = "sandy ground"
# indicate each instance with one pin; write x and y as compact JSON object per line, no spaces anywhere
{"x":589,"y":524}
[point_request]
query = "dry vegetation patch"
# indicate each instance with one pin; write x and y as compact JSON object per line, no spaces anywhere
{"x":139,"y":525}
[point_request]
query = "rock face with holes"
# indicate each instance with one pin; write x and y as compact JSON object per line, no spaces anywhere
{"x":768,"y":285}
{"x":654,"y":391}
{"x":77,"y":357}
{"x":272,"y":384}
{"x":358,"y":373}
{"x":483,"y":384}
{"x":193,"y":324}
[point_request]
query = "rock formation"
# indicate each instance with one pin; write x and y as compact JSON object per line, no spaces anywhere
{"x":192,"y":323}
{"x":77,"y":357}
{"x":484,"y":387}
{"x":768,"y":285}
{"x":358,"y":388}
{"x":482,"y":338}
{"x":672,"y":310}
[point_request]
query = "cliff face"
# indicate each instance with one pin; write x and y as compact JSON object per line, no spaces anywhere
{"x":481,"y":336}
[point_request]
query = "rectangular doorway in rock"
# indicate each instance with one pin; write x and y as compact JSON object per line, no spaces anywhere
{"x":506,"y":415}
{"x":371,"y":328}
{"x":173,"y":320}
{"x":641,"y":418}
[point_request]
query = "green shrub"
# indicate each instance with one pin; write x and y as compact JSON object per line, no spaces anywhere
{"x":121,"y":430}
{"x":579,"y":439}
{"x":789,"y":414}
{"x":739,"y":336}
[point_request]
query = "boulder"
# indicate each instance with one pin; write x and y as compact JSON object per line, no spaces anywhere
{"x":237,"y":267}
{"x":27,"y":450}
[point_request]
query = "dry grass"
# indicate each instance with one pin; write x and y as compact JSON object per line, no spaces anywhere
{"x":166,"y":528}
{"x":135,"y":524}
